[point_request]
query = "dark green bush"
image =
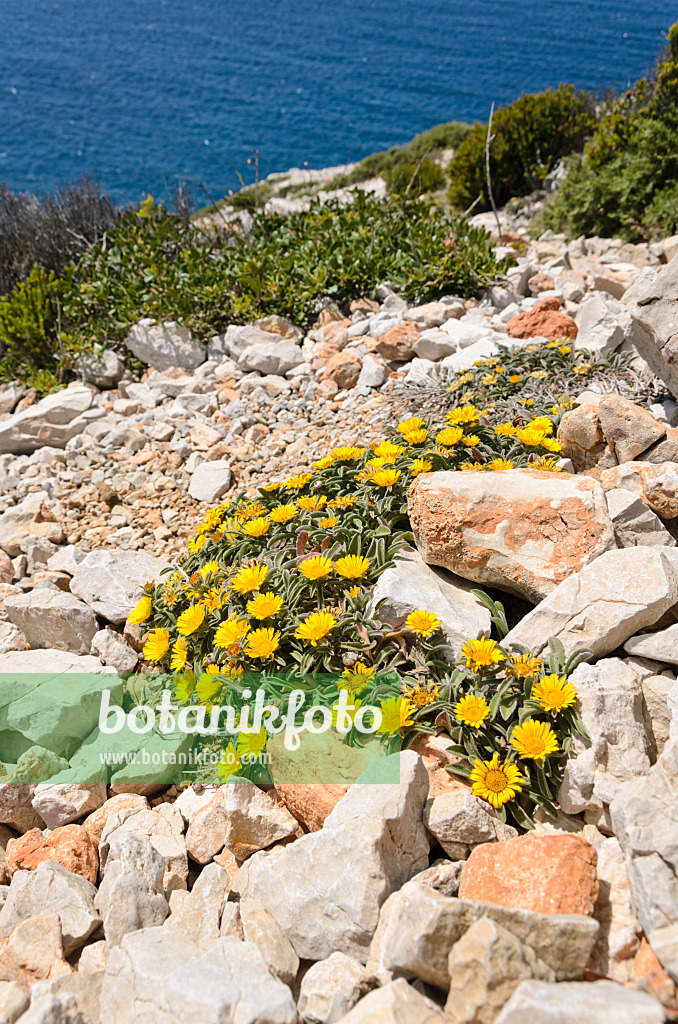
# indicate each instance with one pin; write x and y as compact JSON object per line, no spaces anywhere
{"x":530,"y":136}
{"x":625,"y":183}
{"x":430,"y":142}
{"x":415,"y":178}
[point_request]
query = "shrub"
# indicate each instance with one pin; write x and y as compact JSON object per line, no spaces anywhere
{"x":624,"y":184}
{"x":415,"y":178}
{"x":530,"y":136}
{"x":278,"y":587}
{"x":430,"y":142}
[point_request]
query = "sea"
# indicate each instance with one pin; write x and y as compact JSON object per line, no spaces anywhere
{"x":142,"y":94}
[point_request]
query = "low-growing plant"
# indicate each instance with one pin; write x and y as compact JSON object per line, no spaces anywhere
{"x":530,"y":136}
{"x":283,"y":584}
{"x":442,"y":136}
{"x":415,"y":178}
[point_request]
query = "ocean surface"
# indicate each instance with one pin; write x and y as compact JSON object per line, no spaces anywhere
{"x":142,"y":93}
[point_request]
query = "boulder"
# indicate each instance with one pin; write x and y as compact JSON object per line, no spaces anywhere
{"x":628,"y":428}
{"x":310,"y":804}
{"x":460,"y":822}
{"x":418,"y":928}
{"x":543,"y":321}
{"x":104,"y":369}
{"x":397,"y":344}
{"x":524,"y":531}
{"x":486,"y":966}
{"x":581,"y":435}
{"x":241,"y":817}
{"x":164,"y":345}
{"x":69,"y":845}
{"x":330,"y":988}
{"x":61,"y":804}
{"x":163,"y":977}
{"x":96,"y":821}
{"x":635,"y":525}
{"x":546,"y":874}
{"x":344,"y":368}
{"x":50,"y":888}
{"x":373,"y":372}
{"x":605,"y":603}
{"x":660,"y":646}
{"x":17,"y":522}
{"x":52,"y":421}
{"x":110,"y":582}
{"x":410,"y":584}
{"x":260,"y":928}
{"x":131,"y":895}
{"x":199,"y":913}
{"x":597,"y":1003}
{"x":163,"y":826}
{"x":655,"y":484}
{"x":654,"y":325}
{"x":271,"y":357}
{"x":395,"y":1003}
{"x":53,"y":619}
{"x":238,"y":339}
{"x":76,"y":994}
{"x":210,"y":481}
{"x":337,"y":879}
{"x":601,"y":323}
{"x":16,"y":809}
{"x":610,"y":705}
{"x":14,"y":1001}
{"x":34,"y":951}
{"x":114,"y":650}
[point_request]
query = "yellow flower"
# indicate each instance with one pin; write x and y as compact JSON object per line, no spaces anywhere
{"x":256,"y":527}
{"x":209,"y":568}
{"x":470,"y":440}
{"x":249,"y":578}
{"x":283,"y":513}
{"x":407,"y":426}
{"x":418,"y":466}
{"x":343,"y":501}
{"x":386,"y":477}
{"x":565,"y":349}
{"x":347,"y":454}
{"x":515,"y":378}
{"x":388,"y":450}
{"x":316,"y":567}
{"x":539,"y":374}
{"x":416,"y":436}
{"x":551,"y":444}
{"x":505,"y":430}
{"x":329,"y":522}
{"x":196,"y":544}
{"x":184,"y":685}
{"x":230,"y":763}
{"x":544,"y":423}
{"x":312,"y":504}
{"x":277,"y":485}
{"x":352,"y":567}
{"x":252,"y":742}
{"x":582,"y":368}
{"x":523,"y":666}
{"x":142,"y":612}
{"x":481,"y":654}
{"x":450,"y":436}
{"x":179,"y":655}
{"x":535,"y":740}
{"x":468,"y":414}
{"x":191,"y":619}
{"x":495,"y":782}
{"x":472,"y":710}
{"x":231,"y":632}
{"x":530,"y":435}
{"x":396,"y":714}
{"x":357,"y":675}
{"x":295,"y":483}
{"x":208,"y":685}
{"x":354,"y":591}
{"x":315,"y":627}
{"x":263,"y":606}
{"x":262,"y":643}
{"x":422,"y":622}
{"x":422,"y":696}
{"x":157,"y":645}
{"x":554,"y":693}
{"x":546,"y":465}
{"x":324,"y":463}
{"x":213,"y":600}
{"x":499,"y":464}
{"x":349,"y":712}
{"x":488,"y":378}
{"x":472,"y":467}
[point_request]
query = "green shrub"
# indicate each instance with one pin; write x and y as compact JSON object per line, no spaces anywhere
{"x":530,"y":136}
{"x":415,"y":178}
{"x":624,"y":184}
{"x":29,"y":323}
{"x":442,"y":136}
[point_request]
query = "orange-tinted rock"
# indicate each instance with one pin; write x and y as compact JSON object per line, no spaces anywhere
{"x":344,"y":369}
{"x":521,"y":530}
{"x":96,"y":821}
{"x":540,"y":283}
{"x":330,"y":314}
{"x":544,"y":321}
{"x":6,"y":568}
{"x":553,"y":874}
{"x":398,"y":343}
{"x":310,"y":804}
{"x":648,"y":973}
{"x":70,"y":845}
{"x":433,"y":752}
{"x":366,"y":306}
{"x":34,"y":951}
{"x":656,"y":485}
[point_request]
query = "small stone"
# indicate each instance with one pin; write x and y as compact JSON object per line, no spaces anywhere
{"x":599,"y":1002}
{"x":460,"y":822}
{"x":51,"y":888}
{"x":330,"y":988}
{"x":395,"y":1003}
{"x":397,"y":344}
{"x":69,"y":845}
{"x":601,"y":323}
{"x":260,"y":928}
{"x":14,"y":1001}
{"x":52,"y":619}
{"x":635,"y":525}
{"x":111,"y":582}
{"x":543,"y":321}
{"x":241,"y":817}
{"x":210,"y":481}
{"x":628,"y":428}
{"x":165,"y":345}
{"x":34,"y":951}
{"x":114,"y":650}
{"x":96,"y":821}
{"x":344,"y":369}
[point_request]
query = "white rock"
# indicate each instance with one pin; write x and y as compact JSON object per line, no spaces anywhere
{"x":110,"y":582}
{"x":395,"y":1003}
{"x":373,"y":372}
{"x":241,"y":817}
{"x":330,"y":988}
{"x":66,"y":559}
{"x":411,"y":584}
{"x":53,"y":619}
{"x":165,"y":345}
{"x":338,"y":878}
{"x":460,"y":821}
{"x":466,"y":357}
{"x":14,"y":1001}
{"x":271,"y":357}
{"x":131,"y":895}
{"x":53,"y":421}
{"x":660,"y":646}
{"x":635,"y":525}
{"x":601,"y":321}
{"x":598,"y":1002}
{"x":114,"y":650}
{"x":421,"y":371}
{"x":163,"y":826}
{"x":199,"y":914}
{"x":210,"y":481}
{"x":620,"y":929}
{"x":61,"y":804}
{"x":654,"y":325}
{"x":49,"y":663}
{"x":236,"y":339}
{"x":604,"y":604}
{"x":103,"y":369}
{"x":261,"y":928}
{"x":435,"y":345}
{"x":51,"y":889}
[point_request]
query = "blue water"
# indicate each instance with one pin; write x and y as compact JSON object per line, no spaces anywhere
{"x":146,"y":92}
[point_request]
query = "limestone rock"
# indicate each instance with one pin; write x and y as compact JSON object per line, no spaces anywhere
{"x":628,"y":428}
{"x":443,"y":876}
{"x":131,"y":895}
{"x":52,"y":889}
{"x":51,"y":618}
{"x":330,"y":988}
{"x":598,"y":608}
{"x":373,"y":372}
{"x":110,"y":582}
{"x":77,"y":995}
{"x":96,"y":821}
{"x":610,"y":704}
{"x":210,"y":481}
{"x":486,"y":966}
{"x":654,"y":327}
{"x":581,"y":435}
{"x":114,"y":650}
{"x":271,"y":357}
{"x":16,"y":809}
{"x":543,"y":321}
{"x":601,"y":323}
{"x":34,"y":951}
{"x":395,"y":1003}
{"x":52,"y":421}
{"x":636,"y":525}
{"x":241,"y":817}
{"x":619,"y":928}
{"x":165,"y":345}
{"x":199,"y":914}
{"x":418,"y":927}
{"x":660,"y":646}
{"x":524,"y":531}
{"x":460,"y":822}
{"x":338,"y":878}
{"x":545,"y":874}
{"x":14,"y":1001}
{"x":70,"y":846}
{"x":656,"y":485}
{"x":36,"y":765}
{"x":261,"y":929}
{"x":597,"y":1003}
{"x":104,"y":368}
{"x":344,"y":368}
{"x":162,"y":977}
{"x":310,"y":804}
{"x":163,"y":825}
{"x":397,"y":344}
{"x":411,"y":584}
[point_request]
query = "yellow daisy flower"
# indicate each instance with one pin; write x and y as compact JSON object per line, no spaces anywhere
{"x":422,"y":622}
{"x":422,"y":696}
{"x":418,"y":466}
{"x":142,"y":612}
{"x":523,"y":666}
{"x":496,"y":782}
{"x":386,"y":477}
{"x":468,"y":414}
{"x":249,"y":578}
{"x":546,"y":465}
{"x":449,"y":436}
{"x":316,"y":567}
{"x":256,"y":527}
{"x":315,"y":627}
{"x":262,"y":643}
{"x":231,"y":632}
{"x":184,"y":685}
{"x":505,"y":430}
{"x":535,"y":740}
{"x":499,"y":465}
{"x":396,"y":714}
{"x":554,"y":693}
{"x":530,"y":435}
{"x":472,"y":710}
{"x":551,"y":444}
{"x":354,"y":591}
{"x":416,"y":436}
{"x":352,"y":567}
{"x":230,"y":763}
{"x":263,"y":606}
{"x":329,"y":522}
{"x":388,"y":449}
{"x":470,"y":440}
{"x":179,"y":655}
{"x":252,"y":742}
{"x":191,"y":619}
{"x":324,"y":463}
{"x":413,"y":423}
{"x":348,"y":453}
{"x":312,"y":504}
{"x":208,"y":686}
{"x":482,"y":654}
{"x":283,"y":513}
{"x":295,"y":483}
{"x":157,"y":645}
